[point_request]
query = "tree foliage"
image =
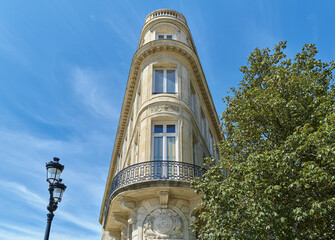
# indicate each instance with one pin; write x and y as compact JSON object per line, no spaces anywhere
{"x":279,"y":150}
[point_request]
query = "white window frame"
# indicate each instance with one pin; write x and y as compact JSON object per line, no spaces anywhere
{"x":165,"y":36}
{"x":164,"y":135}
{"x":164,"y":81}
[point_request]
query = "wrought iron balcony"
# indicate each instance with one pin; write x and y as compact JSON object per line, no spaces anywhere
{"x":156,"y":170}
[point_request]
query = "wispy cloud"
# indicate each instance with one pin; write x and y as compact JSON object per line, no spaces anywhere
{"x":32,"y":149}
{"x":18,"y":230}
{"x":124,"y":33}
{"x":10,"y":44}
{"x":21,"y":191}
{"x":79,"y":221}
{"x":21,"y":152}
{"x":36,"y":201}
{"x":123,"y":25}
{"x":88,"y":90}
{"x":10,"y":232}
{"x":126,"y":26}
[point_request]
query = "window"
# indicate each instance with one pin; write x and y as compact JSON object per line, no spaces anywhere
{"x":130,"y":127}
{"x":192,"y":99}
{"x":211,"y":144}
{"x":203,"y":123}
{"x":164,"y":36}
{"x":194,"y":145}
{"x":164,"y":141}
{"x":136,"y":152}
{"x":164,"y":80}
{"x":118,"y":163}
{"x":138,"y":100}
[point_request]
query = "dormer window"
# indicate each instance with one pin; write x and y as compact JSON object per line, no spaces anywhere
{"x":164,"y":36}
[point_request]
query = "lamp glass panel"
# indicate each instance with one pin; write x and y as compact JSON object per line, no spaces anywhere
{"x":58,"y":193}
{"x":53,"y":174}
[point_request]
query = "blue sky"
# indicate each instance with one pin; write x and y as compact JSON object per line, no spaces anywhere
{"x":64,"y":65}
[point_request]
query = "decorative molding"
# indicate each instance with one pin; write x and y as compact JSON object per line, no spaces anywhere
{"x":163,"y":224}
{"x":129,"y":206}
{"x":164,"y":23}
{"x":158,"y":108}
{"x":119,"y":218}
{"x":108,"y":235}
{"x":164,"y":198}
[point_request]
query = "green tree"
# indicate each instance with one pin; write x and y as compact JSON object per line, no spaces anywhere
{"x":279,"y":150}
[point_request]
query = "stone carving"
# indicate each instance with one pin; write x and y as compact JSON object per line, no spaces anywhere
{"x":108,"y":235}
{"x":163,"y":224}
{"x":164,"y":108}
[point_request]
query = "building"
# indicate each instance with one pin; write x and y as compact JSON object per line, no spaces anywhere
{"x":168,"y":124}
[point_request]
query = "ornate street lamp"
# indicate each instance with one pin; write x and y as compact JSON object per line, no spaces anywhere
{"x":56,"y":189}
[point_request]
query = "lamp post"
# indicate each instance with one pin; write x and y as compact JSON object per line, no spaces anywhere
{"x":56,"y":189}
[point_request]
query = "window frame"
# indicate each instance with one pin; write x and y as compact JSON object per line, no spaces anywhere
{"x":136,"y":151}
{"x":194,"y":151}
{"x":192,"y":98}
{"x":211,"y":143}
{"x":165,"y":36}
{"x":203,"y":123}
{"x":165,"y":81}
{"x":165,"y":135}
{"x":138,"y":101}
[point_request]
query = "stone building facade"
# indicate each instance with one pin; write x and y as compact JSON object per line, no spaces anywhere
{"x":168,"y":124}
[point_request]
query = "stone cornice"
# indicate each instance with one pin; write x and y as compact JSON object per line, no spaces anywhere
{"x":141,"y":54}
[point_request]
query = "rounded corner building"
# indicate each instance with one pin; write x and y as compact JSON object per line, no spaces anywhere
{"x":168,"y":125}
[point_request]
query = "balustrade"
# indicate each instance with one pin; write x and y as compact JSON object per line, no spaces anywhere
{"x":156,"y":170}
{"x":165,"y":13}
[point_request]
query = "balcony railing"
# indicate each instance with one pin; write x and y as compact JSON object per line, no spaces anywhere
{"x":156,"y":170}
{"x":165,"y":13}
{"x":152,"y":171}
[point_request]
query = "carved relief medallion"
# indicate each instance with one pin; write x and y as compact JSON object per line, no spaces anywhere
{"x":163,"y":224}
